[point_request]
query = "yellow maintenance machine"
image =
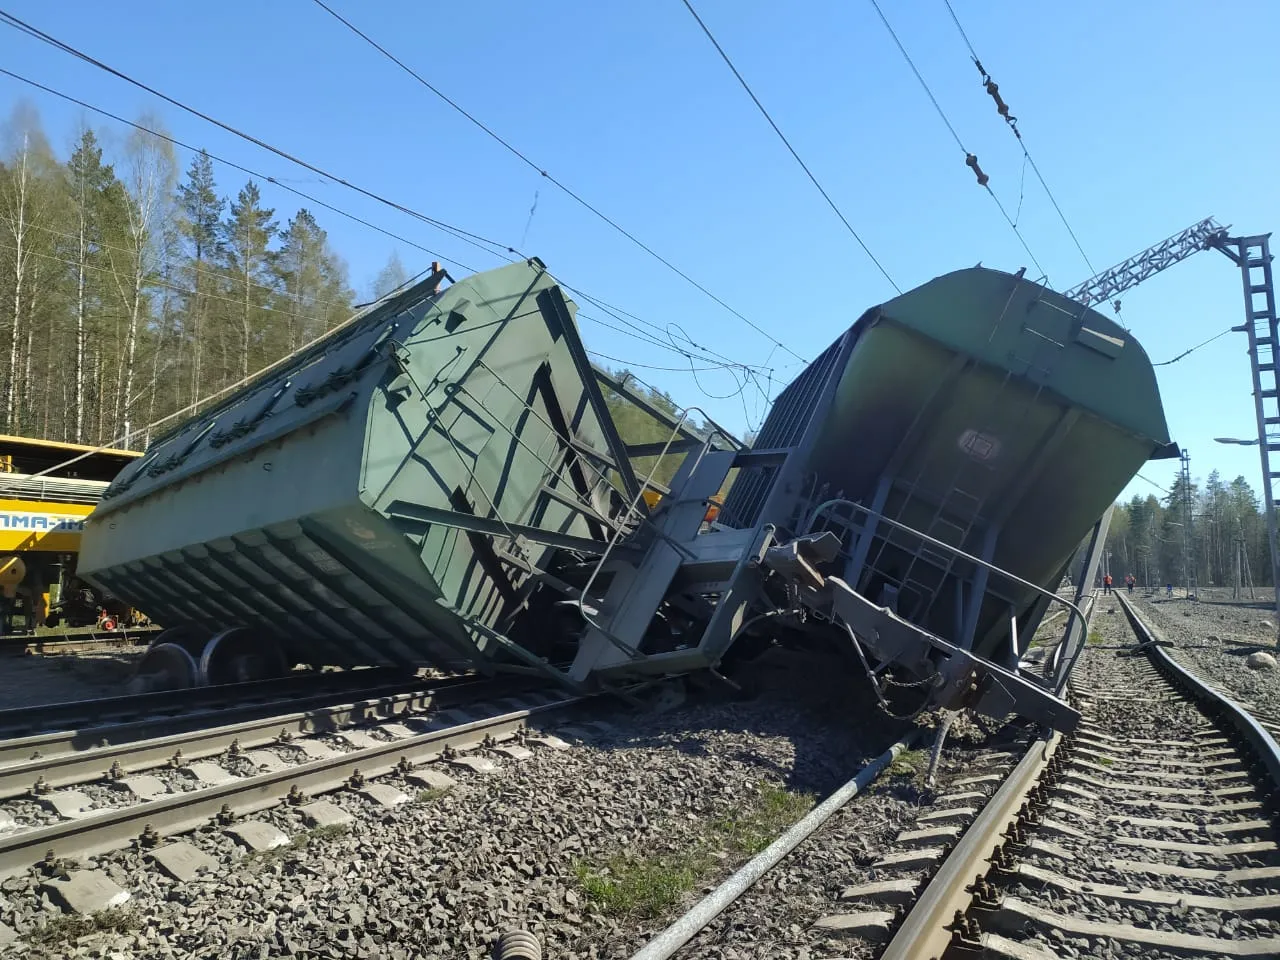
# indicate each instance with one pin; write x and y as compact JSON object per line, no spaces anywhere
{"x":47,"y":489}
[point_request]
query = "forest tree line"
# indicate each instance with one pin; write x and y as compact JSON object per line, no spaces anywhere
{"x":131,"y":289}
{"x":1148,"y":538}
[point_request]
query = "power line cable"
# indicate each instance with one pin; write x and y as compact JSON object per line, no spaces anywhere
{"x":261,"y":176}
{"x":971,"y":160}
{"x":787,"y":143}
{"x":10,"y":20}
{"x":1191,"y":350}
{"x":1003,"y":109}
{"x":1153,"y":483}
{"x":543,"y":173}
{"x":617,"y":312}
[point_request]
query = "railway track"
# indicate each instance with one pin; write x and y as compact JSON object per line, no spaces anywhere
{"x":247,"y":769}
{"x":38,"y":765}
{"x":197,"y":705}
{"x":1148,"y":833}
{"x":79,"y":642}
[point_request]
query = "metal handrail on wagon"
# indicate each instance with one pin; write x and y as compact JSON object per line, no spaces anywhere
{"x":1074,"y":610}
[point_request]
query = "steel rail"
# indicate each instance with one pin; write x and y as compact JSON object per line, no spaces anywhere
{"x":1217,"y":702}
{"x":20,"y":779}
{"x":924,"y":933}
{"x":709,"y":907}
{"x":43,"y":746}
{"x":99,"y":833}
{"x":71,"y":714}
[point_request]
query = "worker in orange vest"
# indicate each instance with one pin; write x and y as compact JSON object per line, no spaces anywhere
{"x":1106,"y":584}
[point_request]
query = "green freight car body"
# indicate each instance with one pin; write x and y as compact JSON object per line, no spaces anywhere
{"x":996,"y":417}
{"x":343,"y":508}
{"x":441,"y":482}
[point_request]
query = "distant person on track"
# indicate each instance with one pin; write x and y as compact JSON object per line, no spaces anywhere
{"x":1168,"y":590}
{"x":1129,"y":582}
{"x":1106,"y":584}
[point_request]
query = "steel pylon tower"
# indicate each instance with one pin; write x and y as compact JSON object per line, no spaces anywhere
{"x":1188,"y":539}
{"x":1253,"y":256}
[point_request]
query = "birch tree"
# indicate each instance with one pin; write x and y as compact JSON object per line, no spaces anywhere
{"x":24,"y":204}
{"x":147,"y":193}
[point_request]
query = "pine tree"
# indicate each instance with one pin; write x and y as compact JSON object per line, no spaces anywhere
{"x":88,"y":180}
{"x":311,"y":285}
{"x":246,"y":234}
{"x":201,"y":212}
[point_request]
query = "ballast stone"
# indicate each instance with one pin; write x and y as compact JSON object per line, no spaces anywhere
{"x":1261,"y":661}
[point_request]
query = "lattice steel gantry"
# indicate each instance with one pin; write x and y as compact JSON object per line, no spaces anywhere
{"x":1142,"y":266}
{"x":1253,"y":256}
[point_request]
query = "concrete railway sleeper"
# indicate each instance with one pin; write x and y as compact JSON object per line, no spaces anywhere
{"x":147,"y":822}
{"x":327,"y":701}
{"x":1147,"y":833}
{"x":85,"y":715}
{"x":119,"y":752}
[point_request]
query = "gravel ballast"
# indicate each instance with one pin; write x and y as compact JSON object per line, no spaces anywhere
{"x":1127,"y":703}
{"x":34,"y":679}
{"x":446,"y":874}
{"x":1214,"y":638}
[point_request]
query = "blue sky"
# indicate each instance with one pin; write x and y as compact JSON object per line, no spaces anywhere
{"x":1144,"y":117}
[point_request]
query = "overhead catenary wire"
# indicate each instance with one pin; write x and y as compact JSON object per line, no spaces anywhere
{"x":992,"y":89}
{"x":971,"y":159}
{"x":1191,"y":350}
{"x":502,"y":251}
{"x":1152,"y":482}
{"x":266,"y":178}
{"x":541,"y":171}
{"x":787,"y":143}
{"x":22,"y":26}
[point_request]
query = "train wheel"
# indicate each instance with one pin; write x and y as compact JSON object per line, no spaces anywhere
{"x":240,"y":655}
{"x":191,"y":637}
{"x":165,"y":666}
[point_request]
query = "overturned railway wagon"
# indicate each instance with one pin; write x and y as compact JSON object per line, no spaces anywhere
{"x":440,"y":481}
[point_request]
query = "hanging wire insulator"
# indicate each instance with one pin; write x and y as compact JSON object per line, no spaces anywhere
{"x":972,"y":161}
{"x":1002,"y":107}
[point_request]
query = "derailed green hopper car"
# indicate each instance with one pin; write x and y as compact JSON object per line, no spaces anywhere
{"x":382,"y":498}
{"x":441,"y":482}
